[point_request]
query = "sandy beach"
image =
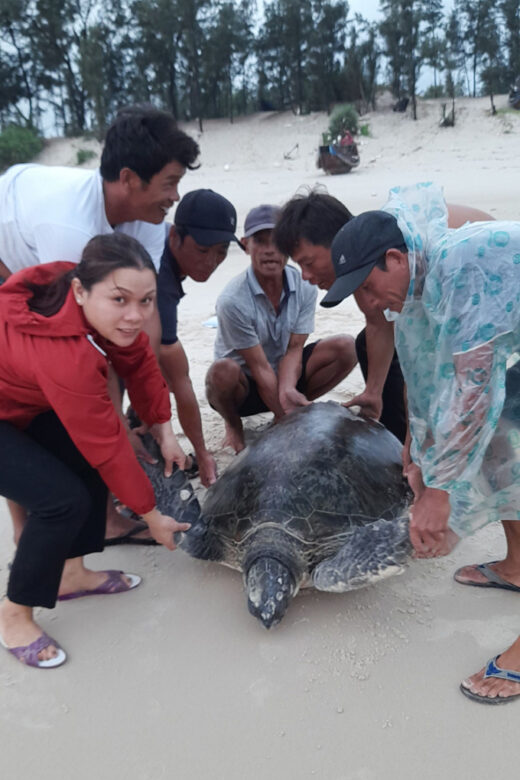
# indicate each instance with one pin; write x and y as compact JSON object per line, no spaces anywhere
{"x":176,"y":680}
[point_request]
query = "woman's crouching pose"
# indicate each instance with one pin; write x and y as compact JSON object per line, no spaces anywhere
{"x":62,"y":444}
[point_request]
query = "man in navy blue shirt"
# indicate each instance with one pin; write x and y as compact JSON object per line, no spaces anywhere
{"x":197,"y":243}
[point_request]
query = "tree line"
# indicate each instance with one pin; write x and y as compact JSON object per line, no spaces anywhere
{"x":79,"y":60}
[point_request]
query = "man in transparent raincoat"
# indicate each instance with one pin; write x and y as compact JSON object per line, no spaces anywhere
{"x":455,"y":299}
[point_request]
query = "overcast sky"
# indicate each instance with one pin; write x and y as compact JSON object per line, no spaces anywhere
{"x":367,"y":8}
{"x":370,"y":8}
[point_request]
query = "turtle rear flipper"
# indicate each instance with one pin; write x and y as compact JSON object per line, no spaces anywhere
{"x":372,"y":552}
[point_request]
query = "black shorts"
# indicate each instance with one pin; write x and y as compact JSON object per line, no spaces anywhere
{"x":253,"y":404}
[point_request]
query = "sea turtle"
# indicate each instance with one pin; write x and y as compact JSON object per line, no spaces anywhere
{"x":318,"y":499}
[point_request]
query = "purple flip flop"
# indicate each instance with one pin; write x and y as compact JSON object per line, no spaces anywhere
{"x":28,"y":654}
{"x":114,"y":583}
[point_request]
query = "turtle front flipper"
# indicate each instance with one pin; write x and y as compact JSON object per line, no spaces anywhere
{"x":371,"y":553}
{"x":174,"y":495}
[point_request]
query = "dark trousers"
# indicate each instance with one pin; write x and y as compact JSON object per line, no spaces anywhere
{"x":393,"y":415}
{"x":254,"y":404}
{"x":43,"y":471}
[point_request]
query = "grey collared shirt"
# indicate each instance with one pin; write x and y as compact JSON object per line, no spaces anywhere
{"x":246,"y":316}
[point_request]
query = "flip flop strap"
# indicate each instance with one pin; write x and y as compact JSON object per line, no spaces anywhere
{"x":492,"y":576}
{"x":29,"y":653}
{"x":114,"y":583}
{"x":492,"y":670}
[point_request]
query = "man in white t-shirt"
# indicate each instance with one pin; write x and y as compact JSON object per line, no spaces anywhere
{"x":50,"y":213}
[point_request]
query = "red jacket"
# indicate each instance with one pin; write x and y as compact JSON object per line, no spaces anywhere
{"x":53,"y":363}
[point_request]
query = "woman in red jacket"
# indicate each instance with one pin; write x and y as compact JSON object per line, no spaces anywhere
{"x":62,"y":444}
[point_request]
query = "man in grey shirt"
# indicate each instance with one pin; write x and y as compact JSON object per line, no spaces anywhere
{"x":264,"y":318}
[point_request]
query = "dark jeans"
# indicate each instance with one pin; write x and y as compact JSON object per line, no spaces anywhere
{"x":393,"y":415}
{"x":253,"y":403}
{"x":42,"y":470}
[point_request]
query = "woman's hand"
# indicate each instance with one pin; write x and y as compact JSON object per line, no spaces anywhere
{"x":162,"y":527}
{"x":170,"y":448}
{"x":429,"y":531}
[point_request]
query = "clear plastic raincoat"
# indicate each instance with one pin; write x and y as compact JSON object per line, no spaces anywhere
{"x":457,"y":338}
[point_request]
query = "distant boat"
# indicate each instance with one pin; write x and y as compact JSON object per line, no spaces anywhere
{"x":339,"y":158}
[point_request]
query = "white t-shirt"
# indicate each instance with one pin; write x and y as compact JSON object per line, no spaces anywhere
{"x":49,"y":213}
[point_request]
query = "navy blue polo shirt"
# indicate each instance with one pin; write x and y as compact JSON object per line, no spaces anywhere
{"x":169,"y":293}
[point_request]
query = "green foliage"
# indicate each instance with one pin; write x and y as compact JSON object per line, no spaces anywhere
{"x":402,"y":32}
{"x":434,"y":91}
{"x":344,"y":117}
{"x":84,"y":155}
{"x":364,"y":130}
{"x":18,"y":144}
{"x":282,"y":50}
{"x":432,"y":46}
{"x":481,"y":37}
{"x":79,"y":61}
{"x":362,"y":59}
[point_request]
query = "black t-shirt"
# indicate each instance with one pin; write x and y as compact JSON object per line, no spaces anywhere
{"x":169,"y":293}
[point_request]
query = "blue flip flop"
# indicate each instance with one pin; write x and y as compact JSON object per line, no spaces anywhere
{"x":492,"y":670}
{"x":494,"y":580}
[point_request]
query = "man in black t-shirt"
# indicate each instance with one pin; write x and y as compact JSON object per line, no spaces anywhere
{"x":196,"y":244}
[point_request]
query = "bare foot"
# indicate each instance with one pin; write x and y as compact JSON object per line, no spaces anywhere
{"x":234,"y":438}
{"x":119,"y":525}
{"x":493,"y":687}
{"x":76,"y":577}
{"x":18,"y":629}
{"x":470,"y":574}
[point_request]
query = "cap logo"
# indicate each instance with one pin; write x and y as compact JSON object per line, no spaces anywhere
{"x":342,"y":260}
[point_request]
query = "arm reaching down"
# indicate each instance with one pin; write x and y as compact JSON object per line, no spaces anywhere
{"x":175,"y":367}
{"x":380,"y":350}
{"x":265,"y":378}
{"x":289,"y":370}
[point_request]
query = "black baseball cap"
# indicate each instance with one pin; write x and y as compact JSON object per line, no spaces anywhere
{"x":356,"y":249}
{"x":207,"y":217}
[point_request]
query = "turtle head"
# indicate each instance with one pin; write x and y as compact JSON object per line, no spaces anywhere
{"x":270,"y":587}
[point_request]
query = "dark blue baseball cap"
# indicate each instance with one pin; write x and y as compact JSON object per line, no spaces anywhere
{"x":356,"y":249}
{"x":207,"y":217}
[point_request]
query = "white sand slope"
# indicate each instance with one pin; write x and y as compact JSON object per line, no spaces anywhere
{"x":176,"y":680}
